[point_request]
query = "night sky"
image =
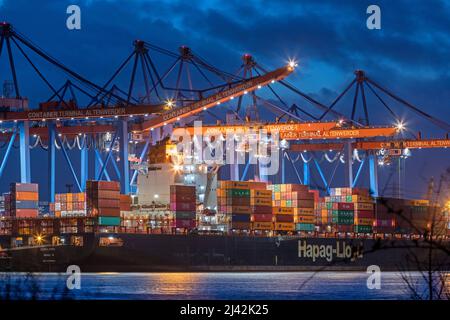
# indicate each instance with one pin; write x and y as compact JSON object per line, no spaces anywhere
{"x":409,"y":55}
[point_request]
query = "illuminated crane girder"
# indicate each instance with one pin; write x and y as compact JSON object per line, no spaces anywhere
{"x":303,"y":131}
{"x":373,"y":145}
{"x":215,"y":99}
{"x":110,"y":112}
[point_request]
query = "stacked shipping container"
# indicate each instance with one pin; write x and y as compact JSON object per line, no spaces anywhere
{"x":261,"y":209}
{"x":23,"y":200}
{"x":347,"y":210}
{"x":103,"y":201}
{"x":183,"y":205}
{"x":239,"y":200}
{"x":69,"y":204}
{"x":300,"y":199}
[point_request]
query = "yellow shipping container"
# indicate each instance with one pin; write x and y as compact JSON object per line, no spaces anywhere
{"x":304,"y":211}
{"x":284,"y":226}
{"x":420,"y":202}
{"x":356,"y":198}
{"x":282,"y":210}
{"x":277,"y":196}
{"x":69,"y":197}
{"x":304,"y":219}
{"x":363,"y":206}
{"x":262,"y":225}
{"x":267,"y":194}
{"x":364,"y":221}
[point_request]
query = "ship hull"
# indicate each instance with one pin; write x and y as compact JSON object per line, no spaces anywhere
{"x":192,"y":253}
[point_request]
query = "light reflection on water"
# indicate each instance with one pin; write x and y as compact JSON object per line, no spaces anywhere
{"x":222,"y":286}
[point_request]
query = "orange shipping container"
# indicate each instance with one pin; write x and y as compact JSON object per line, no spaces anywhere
{"x":262,"y":225}
{"x":304,"y":211}
{"x":279,"y":226}
{"x":267,"y":194}
{"x":27,"y":196}
{"x":282,"y":210}
{"x":304,"y":219}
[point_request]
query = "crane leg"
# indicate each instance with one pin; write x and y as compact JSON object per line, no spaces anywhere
{"x":125,"y":181}
{"x":25,"y":169}
{"x":373,"y":173}
{"x":51,"y":161}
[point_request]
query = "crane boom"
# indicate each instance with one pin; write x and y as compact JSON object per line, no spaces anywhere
{"x":302,"y":131}
{"x":374,"y":145}
{"x":98,"y":112}
{"x":215,"y":99}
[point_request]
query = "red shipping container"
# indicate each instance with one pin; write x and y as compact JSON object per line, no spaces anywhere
{"x":344,"y":228}
{"x":108,"y":212}
{"x":182,"y":197}
{"x":25,"y":213}
{"x":284,"y":218}
{"x":262,"y":209}
{"x":345,"y":206}
{"x":262,"y":217}
{"x":104,"y":194}
{"x":182,"y":206}
{"x":185,"y":223}
{"x":305,"y":203}
{"x":179,"y":189}
{"x":103,"y":185}
{"x":364,"y":214}
{"x":25,"y":187}
{"x":303,"y":195}
{"x":360,"y":192}
{"x":106,"y":203}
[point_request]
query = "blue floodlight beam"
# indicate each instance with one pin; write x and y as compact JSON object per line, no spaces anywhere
{"x":358,"y":172}
{"x":306,"y":173}
{"x":373,"y":175}
{"x":322,"y":176}
{"x":125,"y":177}
{"x":108,"y":156}
{"x":51,"y":161}
{"x":84,"y":165}
{"x":143,"y":153}
{"x":100,"y":162}
{"x":7,"y":152}
{"x":247,"y":166}
{"x":293,"y":166}
{"x":25,"y":166}
{"x":66,"y":156}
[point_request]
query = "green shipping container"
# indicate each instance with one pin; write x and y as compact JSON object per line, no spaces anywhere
{"x":339,"y":220}
{"x":238,"y":192}
{"x":363,"y":229}
{"x":304,"y":227}
{"x":109,"y":221}
{"x":329,"y":205}
{"x":348,"y":198}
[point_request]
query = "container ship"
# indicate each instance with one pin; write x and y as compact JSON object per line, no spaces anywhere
{"x":254,"y":226}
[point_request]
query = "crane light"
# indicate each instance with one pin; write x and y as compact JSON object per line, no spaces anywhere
{"x":400,"y":126}
{"x":170,"y":103}
{"x":292,"y":63}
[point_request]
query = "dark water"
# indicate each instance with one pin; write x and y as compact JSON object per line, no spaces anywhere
{"x":167,"y":286}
